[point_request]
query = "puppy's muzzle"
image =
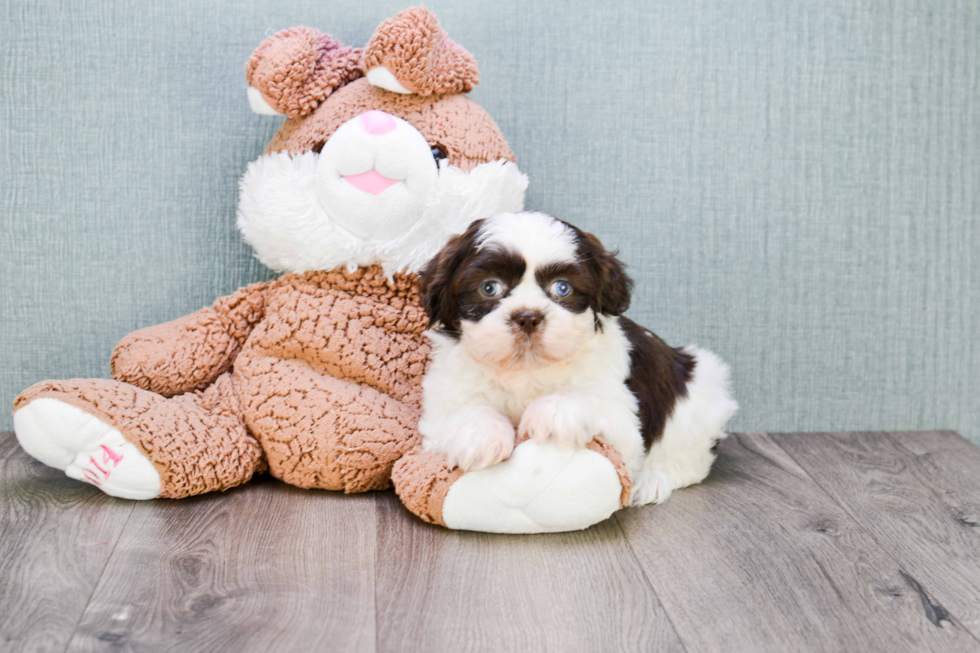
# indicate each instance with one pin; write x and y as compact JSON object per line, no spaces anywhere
{"x":526,"y":321}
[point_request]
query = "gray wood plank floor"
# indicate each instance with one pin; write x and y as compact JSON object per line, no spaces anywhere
{"x":822,"y":542}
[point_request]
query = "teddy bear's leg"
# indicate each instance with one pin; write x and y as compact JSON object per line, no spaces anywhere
{"x":541,"y":488}
{"x":135,"y":444}
{"x":322,"y":432}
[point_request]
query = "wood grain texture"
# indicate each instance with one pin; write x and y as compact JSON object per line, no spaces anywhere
{"x":265,"y":567}
{"x":56,"y":536}
{"x":441,"y":590}
{"x":759,"y":558}
{"x":918,"y":494}
{"x":863,"y":542}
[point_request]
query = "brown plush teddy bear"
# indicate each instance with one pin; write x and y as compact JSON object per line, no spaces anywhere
{"x":314,"y":376}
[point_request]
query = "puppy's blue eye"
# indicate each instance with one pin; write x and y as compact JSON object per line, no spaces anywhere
{"x":561,"y":289}
{"x":491,"y":289}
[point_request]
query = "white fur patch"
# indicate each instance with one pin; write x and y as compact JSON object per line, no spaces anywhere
{"x":459,"y":199}
{"x":473,"y":437}
{"x":299,"y":214}
{"x":537,"y":237}
{"x":563,"y":418}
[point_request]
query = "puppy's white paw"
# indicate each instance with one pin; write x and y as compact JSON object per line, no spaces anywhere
{"x":652,"y":487}
{"x":475,"y":439}
{"x":563,"y":419}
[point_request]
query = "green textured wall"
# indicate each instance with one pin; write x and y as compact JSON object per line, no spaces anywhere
{"x":795,"y":185}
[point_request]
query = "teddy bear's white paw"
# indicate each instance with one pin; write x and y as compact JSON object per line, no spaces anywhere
{"x":474,"y":439}
{"x":562,"y":419}
{"x":85,"y":448}
{"x":541,"y":488}
{"x":652,"y":486}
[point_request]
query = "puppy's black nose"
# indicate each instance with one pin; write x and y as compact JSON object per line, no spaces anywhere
{"x":527,"y":321}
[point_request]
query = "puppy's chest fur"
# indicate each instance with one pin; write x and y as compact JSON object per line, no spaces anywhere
{"x":600,"y":371}
{"x":455,"y":379}
{"x":625,"y":369}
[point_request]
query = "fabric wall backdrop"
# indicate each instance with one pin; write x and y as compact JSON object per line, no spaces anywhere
{"x":795,"y":185}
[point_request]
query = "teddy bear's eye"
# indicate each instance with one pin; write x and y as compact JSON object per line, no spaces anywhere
{"x":439,"y":152}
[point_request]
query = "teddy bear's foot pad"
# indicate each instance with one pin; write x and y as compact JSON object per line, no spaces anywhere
{"x":85,"y":448}
{"x":541,"y":488}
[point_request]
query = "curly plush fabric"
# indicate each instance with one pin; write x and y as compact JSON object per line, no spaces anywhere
{"x":418,"y":52}
{"x":422,"y":479}
{"x":191,"y":352}
{"x":297,"y":68}
{"x":331,"y":377}
{"x":326,"y":382}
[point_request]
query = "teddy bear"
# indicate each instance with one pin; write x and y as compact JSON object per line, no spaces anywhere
{"x":315,"y":376}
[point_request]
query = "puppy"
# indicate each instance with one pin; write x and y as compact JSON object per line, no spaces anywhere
{"x":526,"y":324}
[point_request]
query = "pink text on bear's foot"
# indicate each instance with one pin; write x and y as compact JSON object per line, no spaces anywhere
{"x":98,"y":474}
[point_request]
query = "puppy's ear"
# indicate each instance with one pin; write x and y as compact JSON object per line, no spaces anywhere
{"x":437,"y":280}
{"x":613,"y":286}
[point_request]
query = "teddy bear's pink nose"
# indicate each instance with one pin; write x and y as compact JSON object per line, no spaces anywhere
{"x":377,"y":123}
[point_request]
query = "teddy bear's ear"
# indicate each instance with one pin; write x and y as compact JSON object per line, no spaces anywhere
{"x":295,"y":70}
{"x":411,"y":53}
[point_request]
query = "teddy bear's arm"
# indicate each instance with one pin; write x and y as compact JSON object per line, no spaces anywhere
{"x":189,"y":353}
{"x":541,"y":488}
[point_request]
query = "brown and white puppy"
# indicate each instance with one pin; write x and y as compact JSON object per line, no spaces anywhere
{"x":528,"y":334}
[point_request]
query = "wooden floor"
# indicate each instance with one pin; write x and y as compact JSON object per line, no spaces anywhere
{"x":822,"y":542}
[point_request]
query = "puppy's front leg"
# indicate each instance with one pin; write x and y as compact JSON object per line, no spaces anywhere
{"x":471,"y":438}
{"x":564,"y":418}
